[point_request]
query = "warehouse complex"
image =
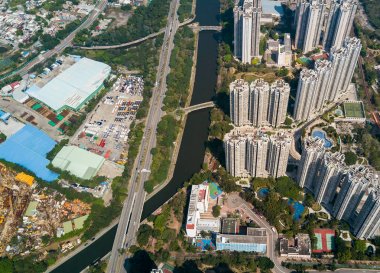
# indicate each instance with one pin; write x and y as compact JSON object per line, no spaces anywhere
{"x":78,"y":162}
{"x":73,"y":87}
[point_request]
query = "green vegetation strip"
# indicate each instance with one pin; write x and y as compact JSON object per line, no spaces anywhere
{"x":184,"y":10}
{"x":178,"y":82}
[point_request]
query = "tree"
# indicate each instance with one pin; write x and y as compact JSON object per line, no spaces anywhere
{"x":264,"y":263}
{"x":216,"y":211}
{"x":144,"y":233}
{"x":6,"y":265}
{"x":350,"y":158}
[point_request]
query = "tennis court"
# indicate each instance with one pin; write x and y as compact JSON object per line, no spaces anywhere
{"x":354,"y":109}
{"x":325,"y":240}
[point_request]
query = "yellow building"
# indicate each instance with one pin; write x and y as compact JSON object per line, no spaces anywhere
{"x":24,"y":178}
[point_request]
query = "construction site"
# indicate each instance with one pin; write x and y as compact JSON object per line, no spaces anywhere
{"x":32,"y":216}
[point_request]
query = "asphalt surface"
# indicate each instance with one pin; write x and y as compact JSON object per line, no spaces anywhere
{"x":64,"y":43}
{"x":133,"y":205}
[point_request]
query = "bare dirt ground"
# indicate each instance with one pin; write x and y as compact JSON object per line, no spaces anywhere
{"x":120,"y":17}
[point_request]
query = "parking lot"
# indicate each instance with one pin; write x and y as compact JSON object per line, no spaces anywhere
{"x":105,"y":131}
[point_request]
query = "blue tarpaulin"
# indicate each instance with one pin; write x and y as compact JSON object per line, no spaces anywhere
{"x":28,"y":148}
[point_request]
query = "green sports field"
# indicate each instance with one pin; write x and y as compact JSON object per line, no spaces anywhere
{"x":354,"y":109}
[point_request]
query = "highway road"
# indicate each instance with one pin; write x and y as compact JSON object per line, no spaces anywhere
{"x":64,"y":43}
{"x":133,"y":205}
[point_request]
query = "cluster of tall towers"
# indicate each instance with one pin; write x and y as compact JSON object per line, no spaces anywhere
{"x":258,"y":103}
{"x":249,"y":151}
{"x":327,"y":81}
{"x":247,"y":29}
{"x":351,"y":193}
{"x":325,"y":23}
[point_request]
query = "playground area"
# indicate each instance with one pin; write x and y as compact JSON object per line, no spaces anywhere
{"x":215,"y":191}
{"x":204,"y":244}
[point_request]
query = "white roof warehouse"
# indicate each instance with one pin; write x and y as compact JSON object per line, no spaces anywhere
{"x":73,"y":87}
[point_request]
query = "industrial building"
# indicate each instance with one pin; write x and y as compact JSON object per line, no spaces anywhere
{"x":28,"y":148}
{"x":74,"y":87}
{"x":78,"y":162}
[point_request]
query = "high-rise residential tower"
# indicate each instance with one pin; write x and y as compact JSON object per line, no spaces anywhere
{"x":259,"y":101}
{"x":327,"y":81}
{"x":339,"y":23}
{"x":312,"y":153}
{"x":278,"y":154}
{"x":314,"y":25}
{"x":257,"y":152}
{"x":343,"y":61}
{"x":367,"y":222}
{"x":278,"y":102}
{"x":327,"y":177}
{"x":239,"y":102}
{"x":322,"y":89}
{"x":250,"y":152}
{"x":235,"y":149}
{"x":247,"y":30}
{"x":304,"y":104}
{"x":351,"y":192}
{"x":302,"y":15}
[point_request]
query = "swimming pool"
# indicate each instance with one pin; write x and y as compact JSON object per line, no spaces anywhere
{"x":298,"y":209}
{"x":322,"y":135}
{"x":262,"y":193}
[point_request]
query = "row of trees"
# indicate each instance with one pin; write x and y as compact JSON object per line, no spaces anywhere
{"x":181,"y":63}
{"x":167,"y":131}
{"x":178,"y":81}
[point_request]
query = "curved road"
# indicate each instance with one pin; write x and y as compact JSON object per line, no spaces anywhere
{"x":188,"y":21}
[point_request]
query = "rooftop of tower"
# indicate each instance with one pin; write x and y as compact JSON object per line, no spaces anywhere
{"x":308,"y":75}
{"x":353,"y":41}
{"x":280,"y":83}
{"x":282,"y":137}
{"x":259,"y":83}
{"x":335,"y":159}
{"x":312,"y":143}
{"x":246,"y":132}
{"x":362,"y":174}
{"x":239,"y":85}
{"x":322,"y":64}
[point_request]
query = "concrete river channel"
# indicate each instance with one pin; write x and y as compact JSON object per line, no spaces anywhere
{"x":192,"y":148}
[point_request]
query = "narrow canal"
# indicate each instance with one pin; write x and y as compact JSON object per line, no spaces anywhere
{"x":192,"y":148}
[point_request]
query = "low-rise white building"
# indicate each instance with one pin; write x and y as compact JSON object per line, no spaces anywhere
{"x":199,"y":204}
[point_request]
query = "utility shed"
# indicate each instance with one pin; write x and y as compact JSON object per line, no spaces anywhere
{"x":78,"y":162}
